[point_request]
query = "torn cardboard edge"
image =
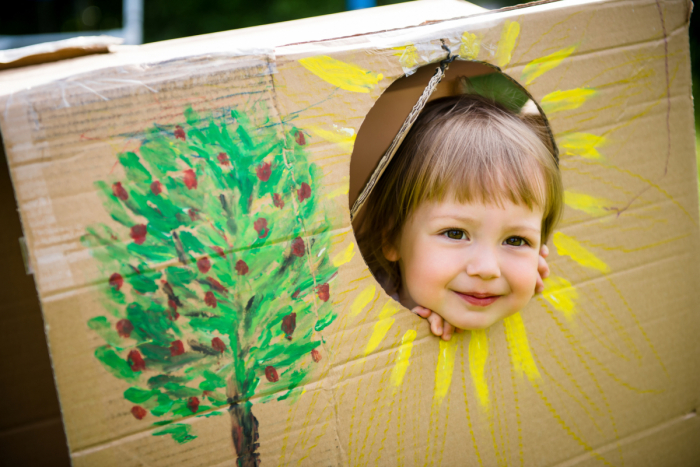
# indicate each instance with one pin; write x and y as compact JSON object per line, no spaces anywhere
{"x":58,"y":50}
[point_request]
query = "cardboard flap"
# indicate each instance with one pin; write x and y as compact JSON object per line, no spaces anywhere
{"x":58,"y":50}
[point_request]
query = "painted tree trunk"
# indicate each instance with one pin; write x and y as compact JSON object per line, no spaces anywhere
{"x":245,"y":434}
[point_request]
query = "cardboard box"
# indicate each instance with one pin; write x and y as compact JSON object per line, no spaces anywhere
{"x":186,"y":210}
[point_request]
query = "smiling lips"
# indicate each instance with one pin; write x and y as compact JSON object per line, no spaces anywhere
{"x":478,"y":299}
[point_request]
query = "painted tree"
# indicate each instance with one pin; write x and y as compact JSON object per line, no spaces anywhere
{"x":218,"y":271}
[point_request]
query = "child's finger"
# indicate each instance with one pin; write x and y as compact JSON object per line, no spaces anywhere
{"x":421,"y":311}
{"x":447,"y":331}
{"x":435,"y":321}
{"x":539,"y":285}
{"x":544,"y":251}
{"x":542,"y":267}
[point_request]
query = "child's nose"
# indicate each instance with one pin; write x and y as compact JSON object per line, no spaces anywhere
{"x":484,"y":264}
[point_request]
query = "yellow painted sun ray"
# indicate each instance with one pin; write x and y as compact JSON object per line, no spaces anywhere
{"x":444,"y":370}
{"x":519,"y":346}
{"x":362,"y":300}
{"x":402,"y":360}
{"x":581,"y":144}
{"x":344,"y":256}
{"x":569,"y":246}
{"x":592,"y":205}
{"x":342,"y":190}
{"x":408,"y":55}
{"x":343,"y":75}
{"x":382,"y":326}
{"x":469,"y":46}
{"x":507,"y":42}
{"x":561,"y":294}
{"x":343,"y":137}
{"x":542,"y":65}
{"x":566,"y":100}
{"x":478,"y":355}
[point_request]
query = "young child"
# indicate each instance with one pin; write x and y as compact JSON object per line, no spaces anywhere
{"x":456,"y":226}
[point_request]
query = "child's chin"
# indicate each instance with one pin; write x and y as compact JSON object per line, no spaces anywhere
{"x":473,"y":321}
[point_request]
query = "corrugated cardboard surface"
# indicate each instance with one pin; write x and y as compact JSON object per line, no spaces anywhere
{"x":601,"y":370}
{"x":29,"y":404}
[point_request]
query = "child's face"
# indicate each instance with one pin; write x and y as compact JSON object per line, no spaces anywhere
{"x":471,"y":263}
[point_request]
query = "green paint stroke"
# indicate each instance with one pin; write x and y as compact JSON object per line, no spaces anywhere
{"x":180,"y":432}
{"x":209,"y":293}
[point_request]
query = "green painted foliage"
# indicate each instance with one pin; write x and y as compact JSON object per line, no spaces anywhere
{"x":216,"y":291}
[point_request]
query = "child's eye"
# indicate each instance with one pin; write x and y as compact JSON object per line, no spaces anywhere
{"x":516,"y":241}
{"x":455,"y":234}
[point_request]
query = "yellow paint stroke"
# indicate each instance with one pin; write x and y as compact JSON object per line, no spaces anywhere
{"x":343,"y":190}
{"x":566,"y":100}
{"x":402,"y":360}
{"x":469,"y":47}
{"x":344,"y":75}
{"x":520,"y":354}
{"x":561,"y":294}
{"x":587,"y":203}
{"x":466,"y":408}
{"x":506,"y":44}
{"x":444,"y":370}
{"x":581,"y":144}
{"x":382,"y":326}
{"x":569,"y":246}
{"x":362,"y":300}
{"x":343,"y":137}
{"x":408,"y":55}
{"x":542,"y":65}
{"x":344,"y":256}
{"x":478,"y":354}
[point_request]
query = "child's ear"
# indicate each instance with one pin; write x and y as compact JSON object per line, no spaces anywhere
{"x":390,"y":252}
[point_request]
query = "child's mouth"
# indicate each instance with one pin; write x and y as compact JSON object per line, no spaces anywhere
{"x":478,"y":299}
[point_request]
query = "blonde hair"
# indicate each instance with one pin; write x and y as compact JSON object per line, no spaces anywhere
{"x":469,"y":147}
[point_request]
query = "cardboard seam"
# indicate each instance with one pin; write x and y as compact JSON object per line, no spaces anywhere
{"x":323,"y":376}
{"x":57,"y":294}
{"x":624,"y":271}
{"x":198,"y":417}
{"x":613,"y":213}
{"x":625,"y":47}
{"x":598,"y":451}
{"x":392,"y":348}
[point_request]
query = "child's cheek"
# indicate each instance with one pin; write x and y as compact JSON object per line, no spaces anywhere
{"x":427,"y":277}
{"x":523,"y":279}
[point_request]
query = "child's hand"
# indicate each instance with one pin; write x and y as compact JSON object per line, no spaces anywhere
{"x":542,"y":268}
{"x":438,"y":326}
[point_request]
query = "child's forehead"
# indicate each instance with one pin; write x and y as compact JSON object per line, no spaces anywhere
{"x":452,"y":208}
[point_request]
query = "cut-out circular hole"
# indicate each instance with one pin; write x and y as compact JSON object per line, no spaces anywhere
{"x":390,"y":111}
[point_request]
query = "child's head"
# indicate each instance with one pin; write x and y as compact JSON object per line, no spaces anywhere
{"x":456,"y":221}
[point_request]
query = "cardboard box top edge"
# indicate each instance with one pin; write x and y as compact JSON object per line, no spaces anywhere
{"x":260,"y":39}
{"x":268,"y":39}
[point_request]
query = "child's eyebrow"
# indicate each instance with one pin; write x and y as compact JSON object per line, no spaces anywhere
{"x":526,"y":227}
{"x":471,"y":220}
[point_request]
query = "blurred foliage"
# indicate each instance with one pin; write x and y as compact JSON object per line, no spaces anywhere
{"x":51,"y":16}
{"x":165,"y":19}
